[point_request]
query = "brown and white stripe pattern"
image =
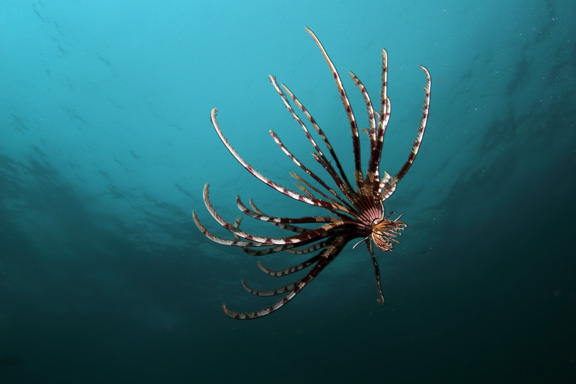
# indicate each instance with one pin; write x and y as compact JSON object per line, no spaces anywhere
{"x":352,"y":212}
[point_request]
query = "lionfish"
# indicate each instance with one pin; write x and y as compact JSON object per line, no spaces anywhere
{"x":355,"y":210}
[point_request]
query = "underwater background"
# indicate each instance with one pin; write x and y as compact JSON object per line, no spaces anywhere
{"x":106,"y":143}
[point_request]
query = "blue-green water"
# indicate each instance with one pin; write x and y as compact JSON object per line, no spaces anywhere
{"x":106,"y":143}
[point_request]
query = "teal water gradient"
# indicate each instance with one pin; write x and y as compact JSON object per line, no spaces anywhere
{"x":106,"y":143}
